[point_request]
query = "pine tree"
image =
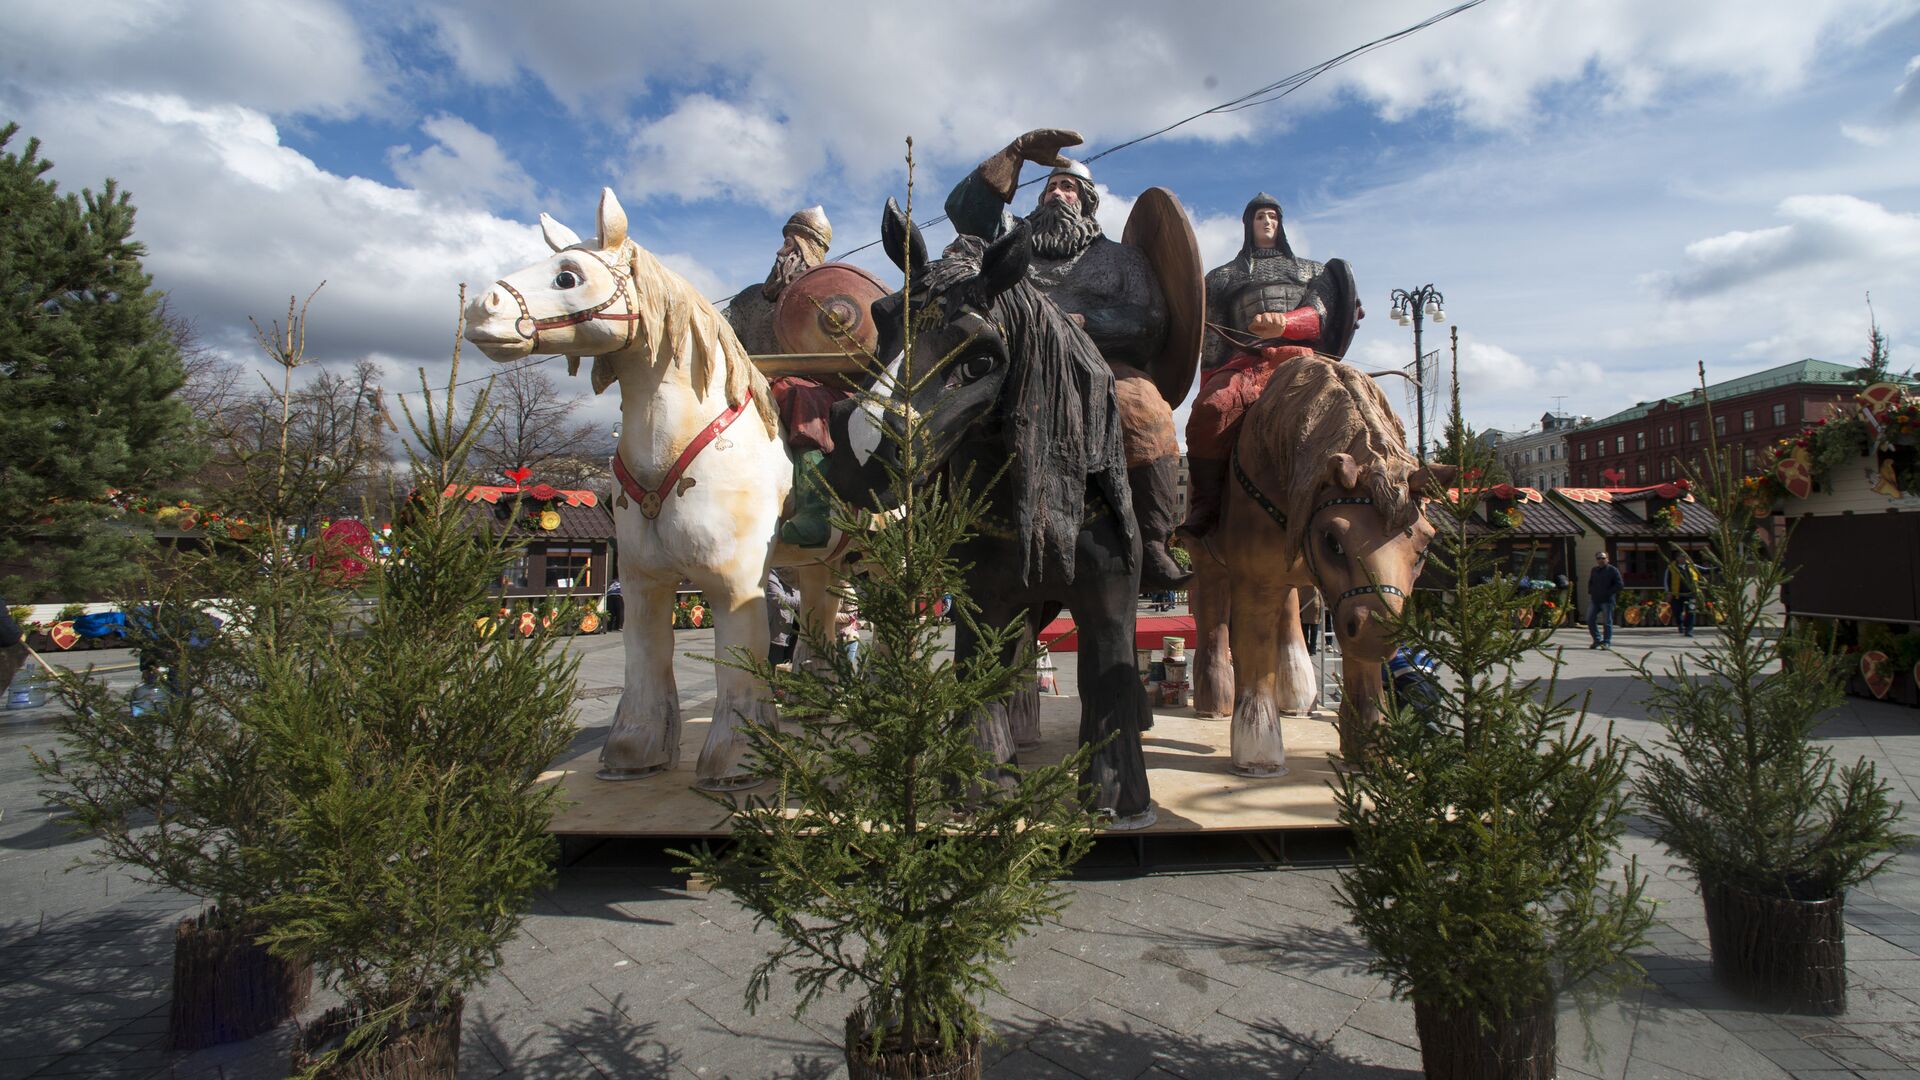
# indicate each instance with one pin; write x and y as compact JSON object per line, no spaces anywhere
{"x":88,"y":374}
{"x":1486,"y":824}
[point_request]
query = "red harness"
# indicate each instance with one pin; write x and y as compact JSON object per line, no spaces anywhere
{"x":651,"y":501}
{"x":530,"y":327}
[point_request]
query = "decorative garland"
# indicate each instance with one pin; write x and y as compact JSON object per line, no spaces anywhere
{"x":1508,"y":518}
{"x":1883,"y":420}
{"x":1666,"y":517}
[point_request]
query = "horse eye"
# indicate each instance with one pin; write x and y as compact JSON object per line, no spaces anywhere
{"x":976,"y":367}
{"x":566,"y":279}
{"x":1333,"y":546}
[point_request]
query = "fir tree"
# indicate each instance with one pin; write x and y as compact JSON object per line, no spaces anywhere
{"x":1737,"y":787}
{"x":88,"y":373}
{"x":892,"y":853}
{"x":416,"y":828}
{"x":1486,"y":824}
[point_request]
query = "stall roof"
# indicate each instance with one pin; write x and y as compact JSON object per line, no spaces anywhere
{"x":1538,"y":517}
{"x":1606,"y":511}
{"x":583,"y":514}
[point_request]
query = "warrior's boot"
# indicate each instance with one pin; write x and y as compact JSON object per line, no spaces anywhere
{"x":1153,"y":500}
{"x":1206,"y":477}
{"x":808,"y":527}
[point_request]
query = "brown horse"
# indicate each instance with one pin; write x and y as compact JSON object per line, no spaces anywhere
{"x":1323,"y":493}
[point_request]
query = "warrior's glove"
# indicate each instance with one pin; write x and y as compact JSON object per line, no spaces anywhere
{"x":1041,"y":146}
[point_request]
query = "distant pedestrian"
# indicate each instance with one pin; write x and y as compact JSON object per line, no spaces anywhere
{"x":616,"y":607}
{"x":1683,"y":585}
{"x":782,"y":602}
{"x":1604,"y":585}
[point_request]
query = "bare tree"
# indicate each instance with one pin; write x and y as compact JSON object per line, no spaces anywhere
{"x":214,"y":383}
{"x":534,"y":427}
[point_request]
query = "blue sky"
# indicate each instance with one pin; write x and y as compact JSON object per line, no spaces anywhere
{"x":1607,"y":192}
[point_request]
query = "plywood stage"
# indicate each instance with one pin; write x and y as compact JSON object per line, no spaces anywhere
{"x":1188,"y":766}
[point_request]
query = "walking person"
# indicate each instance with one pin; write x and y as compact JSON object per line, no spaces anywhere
{"x":616,"y":607}
{"x":782,"y":602}
{"x":1604,"y":585}
{"x":1683,"y":584}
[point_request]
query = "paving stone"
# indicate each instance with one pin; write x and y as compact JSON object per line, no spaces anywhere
{"x":1301,"y":1011}
{"x":1053,"y":983}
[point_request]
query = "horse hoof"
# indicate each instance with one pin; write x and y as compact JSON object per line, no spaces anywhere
{"x":729,"y":783}
{"x":616,"y":775}
{"x":1261,"y":771}
{"x":1133,"y":821}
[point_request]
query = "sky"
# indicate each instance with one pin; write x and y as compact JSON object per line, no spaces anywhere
{"x":1606,"y":193}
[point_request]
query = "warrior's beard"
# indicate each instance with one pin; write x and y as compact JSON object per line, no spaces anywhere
{"x":786,"y":266}
{"x":1057,"y":230}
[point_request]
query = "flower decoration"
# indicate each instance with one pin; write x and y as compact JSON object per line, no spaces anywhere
{"x":1666,"y":517}
{"x":1508,"y":518}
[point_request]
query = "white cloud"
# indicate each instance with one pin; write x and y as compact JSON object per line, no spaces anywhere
{"x":711,"y":149}
{"x":288,"y":57}
{"x":464,"y":164}
{"x":235,"y":221}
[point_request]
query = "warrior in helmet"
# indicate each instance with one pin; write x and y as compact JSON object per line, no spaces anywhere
{"x":1109,"y":290}
{"x":804,"y":404}
{"x":1265,"y":307}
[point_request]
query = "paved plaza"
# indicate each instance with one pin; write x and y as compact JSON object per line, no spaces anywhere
{"x":1228,"y":966}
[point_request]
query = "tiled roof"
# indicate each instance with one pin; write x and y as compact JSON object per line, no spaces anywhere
{"x":1605,"y":510}
{"x":1800,"y":371}
{"x":586,"y":521}
{"x":1538,"y":517}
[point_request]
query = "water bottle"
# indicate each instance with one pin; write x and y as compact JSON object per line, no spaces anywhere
{"x":28,"y":689}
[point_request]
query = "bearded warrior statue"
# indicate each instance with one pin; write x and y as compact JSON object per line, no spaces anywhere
{"x":1110,"y":290}
{"x":804,"y":403}
{"x":1266,"y":306}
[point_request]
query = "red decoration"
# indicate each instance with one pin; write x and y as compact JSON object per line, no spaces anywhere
{"x":543,"y":493}
{"x":528,"y":624}
{"x":1873,"y":668}
{"x":346,"y":550}
{"x":63,"y":635}
{"x":518,"y":476}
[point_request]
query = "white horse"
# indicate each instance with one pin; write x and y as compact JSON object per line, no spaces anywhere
{"x":701,"y":476}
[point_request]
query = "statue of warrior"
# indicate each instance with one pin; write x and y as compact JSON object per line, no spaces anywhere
{"x":1266,"y":306}
{"x":804,"y":403}
{"x":1109,"y":290}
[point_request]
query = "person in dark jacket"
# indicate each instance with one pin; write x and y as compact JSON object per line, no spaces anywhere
{"x":1604,"y":585}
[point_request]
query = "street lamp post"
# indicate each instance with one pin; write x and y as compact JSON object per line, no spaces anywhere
{"x":1409,"y":307}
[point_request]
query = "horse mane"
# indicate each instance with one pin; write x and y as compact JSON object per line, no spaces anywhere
{"x":1060,"y":421}
{"x":1315,"y":407}
{"x":671,"y":312}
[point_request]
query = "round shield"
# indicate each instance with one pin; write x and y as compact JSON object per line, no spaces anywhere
{"x":1342,"y":297}
{"x":1159,"y":227}
{"x":827,"y":310}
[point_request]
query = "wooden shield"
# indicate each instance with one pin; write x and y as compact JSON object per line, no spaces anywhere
{"x":825,"y":315}
{"x":1159,"y":227}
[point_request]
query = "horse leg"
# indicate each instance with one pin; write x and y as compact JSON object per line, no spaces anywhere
{"x":1295,"y":690}
{"x":1259,"y":746}
{"x":818,"y":608}
{"x":1360,"y":715}
{"x":1112,"y":702}
{"x":1023,"y":709}
{"x":646,"y":724}
{"x":991,"y":730}
{"x":1212,"y":659}
{"x":740,"y":623}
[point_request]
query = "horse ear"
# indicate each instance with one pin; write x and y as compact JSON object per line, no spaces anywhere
{"x":1343,"y":471}
{"x":1004,"y":263}
{"x":613,"y":222}
{"x":902,"y":240}
{"x":1423,"y":479}
{"x":558,"y":236}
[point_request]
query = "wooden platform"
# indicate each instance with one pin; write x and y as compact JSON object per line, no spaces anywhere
{"x":1188,"y":765}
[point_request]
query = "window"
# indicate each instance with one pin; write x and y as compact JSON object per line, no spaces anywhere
{"x":1746,"y":420}
{"x":1779,"y":416}
{"x":1693,"y":431}
{"x":1639,"y":440}
{"x":1553,"y":452}
{"x":1583,"y":451}
{"x":567,"y":568}
{"x":1599,"y":448}
{"x":1641,"y":472}
{"x":1749,"y":459}
{"x":1720,"y":424}
{"x":1619,"y":444}
{"x":515,"y":575}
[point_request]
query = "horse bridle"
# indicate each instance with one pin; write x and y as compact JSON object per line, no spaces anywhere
{"x":1306,"y":540}
{"x":529,"y":327}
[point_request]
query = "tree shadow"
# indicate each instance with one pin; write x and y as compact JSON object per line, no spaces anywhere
{"x":71,"y":982}
{"x":1103,"y":1048}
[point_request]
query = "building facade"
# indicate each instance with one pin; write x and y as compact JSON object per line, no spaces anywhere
{"x":1655,"y":441}
{"x":1538,"y":459}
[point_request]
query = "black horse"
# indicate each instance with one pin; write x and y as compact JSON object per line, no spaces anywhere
{"x":1019,"y":385}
